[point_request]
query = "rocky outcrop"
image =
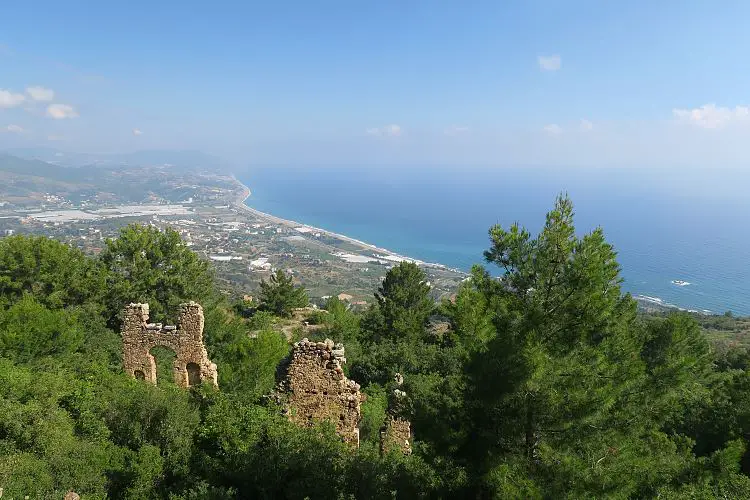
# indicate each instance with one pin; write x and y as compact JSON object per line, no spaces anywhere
{"x":315,"y":389}
{"x":191,"y":367}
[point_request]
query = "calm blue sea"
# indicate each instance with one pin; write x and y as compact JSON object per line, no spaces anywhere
{"x":665,"y":225}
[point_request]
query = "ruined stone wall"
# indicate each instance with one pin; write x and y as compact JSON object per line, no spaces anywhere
{"x":191,"y":366}
{"x":316,"y":389}
{"x":396,"y":435}
{"x":396,"y":431}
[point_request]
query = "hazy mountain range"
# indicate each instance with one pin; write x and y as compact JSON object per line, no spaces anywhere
{"x":183,"y":159}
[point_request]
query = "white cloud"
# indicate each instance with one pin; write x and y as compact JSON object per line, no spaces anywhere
{"x":15,"y":129}
{"x":553,"y":129}
{"x":40,"y":93}
{"x":549,"y":63}
{"x":711,"y":116}
{"x":61,"y":111}
{"x":389,"y":130}
{"x":137,"y":131}
{"x":10,"y":100}
{"x":392,"y":130}
{"x":456,"y":130}
{"x":586,"y":125}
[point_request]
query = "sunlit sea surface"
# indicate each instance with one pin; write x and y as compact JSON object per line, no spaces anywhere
{"x":665,"y":225}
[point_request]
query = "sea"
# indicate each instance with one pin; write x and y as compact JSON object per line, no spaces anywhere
{"x":682,"y":235}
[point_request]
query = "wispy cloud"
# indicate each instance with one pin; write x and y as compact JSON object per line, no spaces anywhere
{"x":549,"y":63}
{"x":586,"y":125}
{"x":388,"y":130}
{"x":14,"y":129}
{"x":393,"y":130}
{"x":40,"y":93}
{"x":137,"y":131}
{"x":83,"y":76}
{"x":553,"y":129}
{"x":711,"y":116}
{"x":456,"y":130}
{"x":10,"y":99}
{"x":61,"y":111}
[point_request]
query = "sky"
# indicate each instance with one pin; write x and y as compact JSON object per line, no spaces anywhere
{"x":396,"y":82}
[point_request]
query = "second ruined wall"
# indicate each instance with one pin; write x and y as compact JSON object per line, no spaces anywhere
{"x":316,"y":389}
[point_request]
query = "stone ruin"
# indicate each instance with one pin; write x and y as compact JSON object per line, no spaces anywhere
{"x":396,"y":432}
{"x":191,"y":367}
{"x":396,"y":435}
{"x":315,"y":388}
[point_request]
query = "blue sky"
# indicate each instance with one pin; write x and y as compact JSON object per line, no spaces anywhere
{"x":638,"y":83}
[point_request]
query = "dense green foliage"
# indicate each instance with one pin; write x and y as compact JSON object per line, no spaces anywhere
{"x":148,"y":265}
{"x":54,"y":274}
{"x":542,"y":382}
{"x":404,"y":304}
{"x":279,"y":295}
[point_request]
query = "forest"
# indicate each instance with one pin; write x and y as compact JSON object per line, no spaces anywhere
{"x":546,"y":383}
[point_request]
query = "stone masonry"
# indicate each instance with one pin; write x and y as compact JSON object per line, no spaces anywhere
{"x":191,"y":366}
{"x":316,"y":388}
{"x":396,"y":431}
{"x":396,"y":435}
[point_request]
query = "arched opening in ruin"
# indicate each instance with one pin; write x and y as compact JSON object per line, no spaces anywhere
{"x":164,"y":358}
{"x":194,"y":374}
{"x":139,"y":375}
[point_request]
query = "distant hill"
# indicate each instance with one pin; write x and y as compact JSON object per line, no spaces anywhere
{"x":38,"y":168}
{"x":146,"y":177}
{"x":185,"y":159}
{"x":57,"y":157}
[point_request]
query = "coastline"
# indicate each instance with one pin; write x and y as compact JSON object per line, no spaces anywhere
{"x":660,"y":304}
{"x":379,"y":253}
{"x":364,"y":246}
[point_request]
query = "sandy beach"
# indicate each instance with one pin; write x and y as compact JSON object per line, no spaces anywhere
{"x":376,"y":251}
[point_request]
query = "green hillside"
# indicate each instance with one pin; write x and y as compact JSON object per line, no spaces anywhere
{"x":545,"y":384}
{"x":37,"y":168}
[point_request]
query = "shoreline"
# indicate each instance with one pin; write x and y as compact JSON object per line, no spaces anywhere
{"x":642,"y":299}
{"x":362,"y":245}
{"x":659,"y":303}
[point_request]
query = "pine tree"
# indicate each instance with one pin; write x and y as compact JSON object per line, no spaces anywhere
{"x":55,"y":274}
{"x":279,"y":295}
{"x":404,"y":302}
{"x":146,"y":264}
{"x":558,"y":390}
